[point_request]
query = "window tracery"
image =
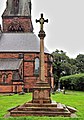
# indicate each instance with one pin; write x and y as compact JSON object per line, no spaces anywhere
{"x":15,"y":26}
{"x":36,"y":71}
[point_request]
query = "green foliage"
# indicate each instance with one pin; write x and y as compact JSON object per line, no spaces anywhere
{"x":80,"y":63}
{"x":75,"y":82}
{"x":62,"y":65}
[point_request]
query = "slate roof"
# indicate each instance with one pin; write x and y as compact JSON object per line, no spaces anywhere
{"x":10,"y":64}
{"x":20,"y":42}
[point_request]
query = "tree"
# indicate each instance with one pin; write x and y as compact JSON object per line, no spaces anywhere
{"x":73,"y":65}
{"x":61,"y":65}
{"x":80,"y":63}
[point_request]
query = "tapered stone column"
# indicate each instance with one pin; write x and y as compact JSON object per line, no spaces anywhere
{"x":41,"y":36}
{"x":41,"y":70}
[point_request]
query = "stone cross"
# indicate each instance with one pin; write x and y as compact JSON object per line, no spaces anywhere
{"x":41,"y":21}
{"x":41,"y":35}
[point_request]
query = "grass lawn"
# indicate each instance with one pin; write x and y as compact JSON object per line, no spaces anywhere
{"x":71,"y":98}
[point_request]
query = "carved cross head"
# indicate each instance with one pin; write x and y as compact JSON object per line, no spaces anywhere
{"x":42,"y":21}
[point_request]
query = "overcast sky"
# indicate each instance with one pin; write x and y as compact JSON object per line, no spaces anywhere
{"x":65,"y":29}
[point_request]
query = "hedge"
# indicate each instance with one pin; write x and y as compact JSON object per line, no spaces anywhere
{"x":73,"y":82}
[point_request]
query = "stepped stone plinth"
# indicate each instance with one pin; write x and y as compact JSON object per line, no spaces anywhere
{"x":41,"y":104}
{"x":37,"y":109}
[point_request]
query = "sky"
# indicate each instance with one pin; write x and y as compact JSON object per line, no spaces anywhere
{"x":65,"y":29}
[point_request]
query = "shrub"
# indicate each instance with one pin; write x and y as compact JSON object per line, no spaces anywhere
{"x":73,"y":82}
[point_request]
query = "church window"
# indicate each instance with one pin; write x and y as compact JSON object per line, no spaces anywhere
{"x":36,"y":66}
{"x":15,"y":27}
{"x":20,"y":29}
{"x":21,"y":73}
{"x":4,"y":78}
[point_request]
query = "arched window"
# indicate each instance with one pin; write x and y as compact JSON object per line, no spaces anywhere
{"x":4,"y":78}
{"x":36,"y":66}
{"x":14,"y":28}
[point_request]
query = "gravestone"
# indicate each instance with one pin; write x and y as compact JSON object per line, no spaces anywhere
{"x":41,"y":104}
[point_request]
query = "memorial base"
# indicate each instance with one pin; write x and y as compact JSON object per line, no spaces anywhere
{"x":41,"y":93}
{"x":41,"y":104}
{"x":37,"y":109}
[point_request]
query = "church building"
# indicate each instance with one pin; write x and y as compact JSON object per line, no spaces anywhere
{"x":20,"y":50}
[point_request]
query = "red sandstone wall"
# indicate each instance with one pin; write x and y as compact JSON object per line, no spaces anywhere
{"x":28,"y":69}
{"x":25,"y":22}
{"x":19,"y":87}
{"x":8,"y":55}
{"x":6,"y":88}
{"x":28,"y":72}
{"x":10,"y":88}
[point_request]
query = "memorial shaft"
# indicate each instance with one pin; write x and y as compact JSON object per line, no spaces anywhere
{"x":42,"y":74}
{"x":41,"y":36}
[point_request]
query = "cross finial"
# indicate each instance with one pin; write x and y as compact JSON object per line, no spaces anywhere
{"x":41,"y":21}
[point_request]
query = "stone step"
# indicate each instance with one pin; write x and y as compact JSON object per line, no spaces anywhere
{"x":59,"y":105}
{"x":40,"y":105}
{"x":40,"y":113}
{"x":40,"y":108}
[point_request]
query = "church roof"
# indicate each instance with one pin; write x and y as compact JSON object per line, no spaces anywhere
{"x":10,"y":64}
{"x":20,"y":42}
